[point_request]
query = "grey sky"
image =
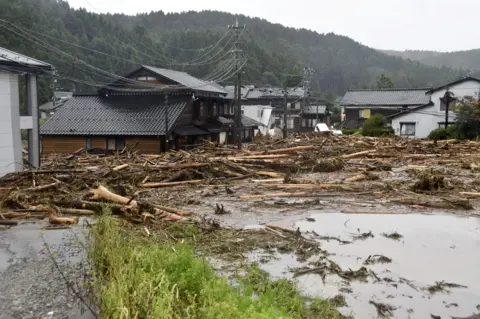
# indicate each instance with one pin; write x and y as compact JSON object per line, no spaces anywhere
{"x":442,"y":25}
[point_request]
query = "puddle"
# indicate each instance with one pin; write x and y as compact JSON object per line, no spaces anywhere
{"x":433,"y":248}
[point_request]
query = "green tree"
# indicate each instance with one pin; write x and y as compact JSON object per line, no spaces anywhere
{"x":467,"y":124}
{"x":376,"y":126}
{"x":384,"y":82}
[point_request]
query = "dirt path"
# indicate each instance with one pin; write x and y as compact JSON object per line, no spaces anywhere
{"x":30,"y":284}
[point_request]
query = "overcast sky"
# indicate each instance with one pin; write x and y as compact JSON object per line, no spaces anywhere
{"x":441,"y":25}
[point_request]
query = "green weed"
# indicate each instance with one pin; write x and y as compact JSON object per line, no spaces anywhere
{"x":139,"y":277}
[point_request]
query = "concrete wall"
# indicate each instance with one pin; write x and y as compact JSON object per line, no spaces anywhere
{"x":10,"y":139}
{"x":428,"y":118}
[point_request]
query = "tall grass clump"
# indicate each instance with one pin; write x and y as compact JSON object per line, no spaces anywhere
{"x":137,"y":277}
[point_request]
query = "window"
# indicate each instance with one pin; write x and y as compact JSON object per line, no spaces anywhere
{"x":297,"y":105}
{"x":259,"y":114}
{"x":115,"y":144}
{"x":407,"y":129}
{"x":89,"y":143}
{"x":146,"y":78}
{"x":443,"y":105}
{"x":364,"y":113}
{"x":201,"y":110}
{"x":290,"y":123}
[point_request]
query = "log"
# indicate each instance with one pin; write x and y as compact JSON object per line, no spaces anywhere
{"x":286,"y":150}
{"x":269,"y":174}
{"x":373,"y":213}
{"x":299,"y":194}
{"x":120,"y":167}
{"x":103,"y":193}
{"x":8,"y":222}
{"x":159,"y":185}
{"x":259,"y":157}
{"x":43,"y":187}
{"x":470,"y":194}
{"x":56,"y":227}
{"x":416,"y":167}
{"x":356,"y":178}
{"x":174,"y":210}
{"x":179,"y":166}
{"x":61,"y":220}
{"x":357,"y":154}
{"x":232,"y":173}
{"x":73,"y":211}
{"x":286,"y":229}
{"x":264,"y":181}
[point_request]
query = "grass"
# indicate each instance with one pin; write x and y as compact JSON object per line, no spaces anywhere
{"x":138,"y":277}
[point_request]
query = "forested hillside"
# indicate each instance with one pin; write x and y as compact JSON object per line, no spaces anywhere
{"x":58,"y":34}
{"x":469,"y":59}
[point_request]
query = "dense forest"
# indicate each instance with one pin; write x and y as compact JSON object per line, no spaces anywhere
{"x":77,"y":41}
{"x":469,"y":59}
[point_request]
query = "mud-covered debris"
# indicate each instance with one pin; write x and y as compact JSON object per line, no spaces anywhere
{"x":450,"y":305}
{"x":442,"y":286}
{"x":328,"y":165}
{"x":429,"y":180}
{"x":377,"y":259}
{"x":310,"y":219}
{"x":220,"y":210}
{"x":338,"y":301}
{"x":394,"y":236}
{"x":363,"y":236}
{"x":383,"y":310}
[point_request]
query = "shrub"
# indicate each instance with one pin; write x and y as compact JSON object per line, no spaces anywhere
{"x":350,"y":132}
{"x":375,"y":126}
{"x":442,"y":133}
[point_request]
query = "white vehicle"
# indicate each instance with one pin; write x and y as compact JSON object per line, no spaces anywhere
{"x":322,"y":127}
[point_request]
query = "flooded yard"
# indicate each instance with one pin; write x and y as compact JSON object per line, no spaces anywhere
{"x":433,"y":249}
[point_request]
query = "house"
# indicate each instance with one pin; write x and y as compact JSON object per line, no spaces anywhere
{"x":263,"y":115}
{"x":59,"y":98}
{"x":12,"y":66}
{"x":314,"y":114}
{"x":149,"y":110}
{"x":418,"y":122}
{"x":362,"y":104}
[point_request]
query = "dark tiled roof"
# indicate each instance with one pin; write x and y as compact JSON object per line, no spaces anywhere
{"x":390,"y":97}
{"x":188,"y":130}
{"x":312,"y":109}
{"x":187,"y":80}
{"x":113,"y":115}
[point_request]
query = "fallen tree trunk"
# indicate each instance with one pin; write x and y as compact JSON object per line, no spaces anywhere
{"x":299,"y":194}
{"x":179,"y":166}
{"x":357,"y":154}
{"x":285,"y":150}
{"x":269,"y":174}
{"x":8,"y":222}
{"x":43,"y":187}
{"x":159,"y":185}
{"x":120,"y":167}
{"x":73,"y":211}
{"x":470,"y":194}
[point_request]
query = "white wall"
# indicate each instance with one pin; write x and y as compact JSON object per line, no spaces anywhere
{"x":427,"y":118}
{"x":10,"y":139}
{"x":265,"y":117}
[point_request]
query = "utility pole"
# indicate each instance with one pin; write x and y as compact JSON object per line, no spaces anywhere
{"x":307,"y":80}
{"x":285,"y":106}
{"x":238,"y":91}
{"x":166,"y":122}
{"x":446,"y":100}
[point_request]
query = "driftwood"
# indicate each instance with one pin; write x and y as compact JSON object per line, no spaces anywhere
{"x":269,"y":174}
{"x":120,"y":167}
{"x":43,"y":187}
{"x":8,"y":222}
{"x":73,"y":211}
{"x":286,"y":150}
{"x":357,"y":154}
{"x":282,"y":228}
{"x":159,"y":185}
{"x":179,"y":166}
{"x":174,"y":210}
{"x":299,"y":194}
{"x":470,"y":194}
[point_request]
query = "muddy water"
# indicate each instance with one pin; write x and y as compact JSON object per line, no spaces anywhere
{"x":433,"y":248}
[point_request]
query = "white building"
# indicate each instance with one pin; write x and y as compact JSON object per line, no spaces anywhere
{"x":12,"y":66}
{"x":420,"y":121}
{"x":262,"y":114}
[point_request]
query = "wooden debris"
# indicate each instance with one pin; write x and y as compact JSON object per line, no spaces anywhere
{"x":159,"y":185}
{"x":120,"y":167}
{"x":373,"y":212}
